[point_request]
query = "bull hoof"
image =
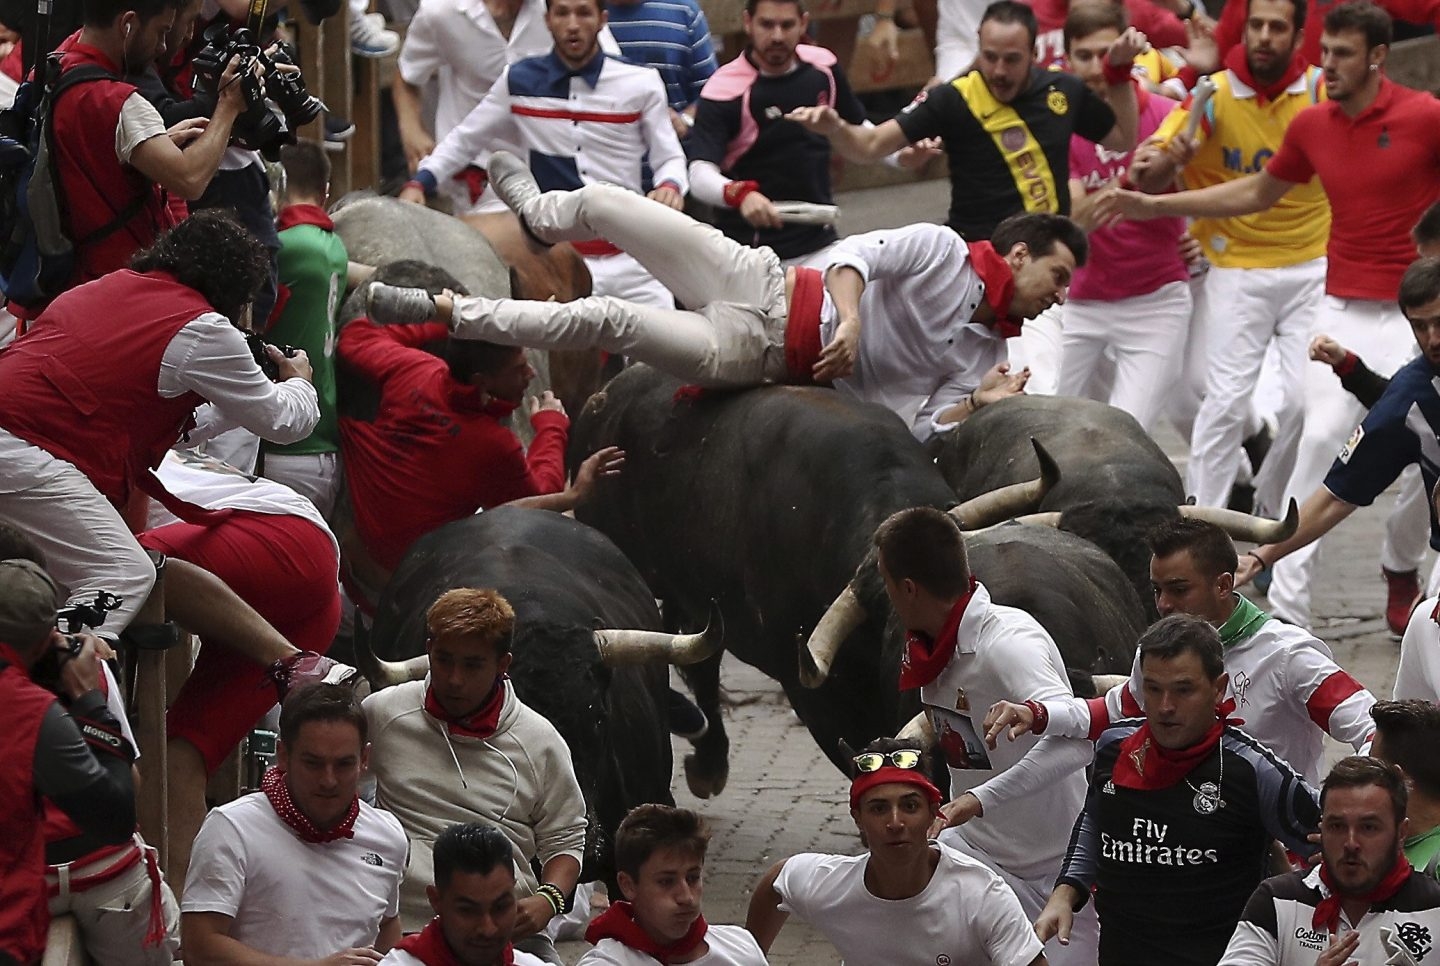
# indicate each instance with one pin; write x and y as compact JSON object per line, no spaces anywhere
{"x":702,"y":782}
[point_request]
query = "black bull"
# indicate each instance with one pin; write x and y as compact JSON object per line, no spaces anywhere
{"x":563,"y":580}
{"x":766,"y":502}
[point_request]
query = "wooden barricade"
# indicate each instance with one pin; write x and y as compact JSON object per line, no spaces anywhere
{"x":351,"y":88}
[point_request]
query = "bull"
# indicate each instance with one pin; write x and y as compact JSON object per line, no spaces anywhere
{"x":765,"y":501}
{"x":604,"y":690}
{"x":1116,"y":484}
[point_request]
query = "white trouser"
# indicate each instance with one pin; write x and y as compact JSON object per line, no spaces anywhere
{"x":315,"y":476}
{"x":1144,"y":333}
{"x":236,"y":447}
{"x":621,"y":276}
{"x":957,"y":34}
{"x":87,"y":546}
{"x":1407,"y":532}
{"x":1380,"y":334}
{"x":1244,"y":309}
{"x":1084,"y":946}
{"x":1039,"y":346}
{"x":735,"y":336}
{"x":114,"y":916}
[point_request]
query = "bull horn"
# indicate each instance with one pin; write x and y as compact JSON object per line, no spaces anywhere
{"x":836,"y":624}
{"x":919,"y":729}
{"x":384,"y":674}
{"x":623,"y":647}
{"x":1050,"y":518}
{"x":1105,"y":683}
{"x":1003,"y":503}
{"x":1246,"y":526}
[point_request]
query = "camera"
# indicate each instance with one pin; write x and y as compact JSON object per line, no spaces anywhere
{"x":69,"y":621}
{"x":259,"y":126}
{"x":262,"y":358}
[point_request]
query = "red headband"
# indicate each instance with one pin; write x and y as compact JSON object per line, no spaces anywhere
{"x":890,"y":775}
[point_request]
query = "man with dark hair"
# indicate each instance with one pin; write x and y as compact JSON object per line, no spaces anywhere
{"x":937,"y":309}
{"x":304,"y":851}
{"x":1182,"y":809}
{"x":660,"y":865}
{"x":907,"y":901}
{"x":1284,"y":681}
{"x":474,"y":902}
{"x":1406,"y":736}
{"x":76,"y":755}
{"x":79,"y":433}
{"x":1363,"y":903}
{"x":965,"y":652}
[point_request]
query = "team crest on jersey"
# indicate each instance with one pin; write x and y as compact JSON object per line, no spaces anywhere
{"x":1416,"y":939}
{"x":1058,"y":103}
{"x":1109,"y":788}
{"x":372,"y":858}
{"x":1348,"y":449}
{"x":1207,"y":799}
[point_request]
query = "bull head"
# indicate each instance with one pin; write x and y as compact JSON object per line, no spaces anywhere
{"x":620,"y":647}
{"x":1005,"y":502}
{"x":1247,"y":526}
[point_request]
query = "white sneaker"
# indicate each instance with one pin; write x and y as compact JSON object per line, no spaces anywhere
{"x":369,"y":39}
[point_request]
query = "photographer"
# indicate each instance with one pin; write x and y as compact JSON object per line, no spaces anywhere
{"x":79,"y":760}
{"x":111,"y":376}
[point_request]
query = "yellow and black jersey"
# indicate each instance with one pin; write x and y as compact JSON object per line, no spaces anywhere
{"x":1007,"y":158}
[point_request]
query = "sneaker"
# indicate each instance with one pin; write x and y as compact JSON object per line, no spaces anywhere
{"x":369,"y":39}
{"x":686,"y":719}
{"x":376,"y":20}
{"x":1402,"y":591}
{"x":305,"y":668}
{"x":512,"y":181}
{"x":337,"y":131}
{"x":394,"y":305}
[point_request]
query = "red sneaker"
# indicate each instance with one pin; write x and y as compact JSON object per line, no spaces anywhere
{"x":307,"y":667}
{"x":1403,"y":591}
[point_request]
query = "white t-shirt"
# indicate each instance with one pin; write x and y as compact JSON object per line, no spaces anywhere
{"x":1418,"y":675}
{"x":966,"y":915}
{"x":294,"y":898}
{"x":729,"y":946}
{"x":398,"y":957}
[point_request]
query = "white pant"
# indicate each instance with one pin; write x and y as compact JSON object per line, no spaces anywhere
{"x":621,"y":276}
{"x":957,"y":35}
{"x":1245,"y":309}
{"x":315,"y":476}
{"x":236,"y":447}
{"x":1084,"y":946}
{"x":734,"y":337}
{"x":1144,"y":333}
{"x":1039,"y":346}
{"x":115,"y":916}
{"x":1379,"y":333}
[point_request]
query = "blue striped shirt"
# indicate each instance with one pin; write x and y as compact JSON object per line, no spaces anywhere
{"x":672,"y":36}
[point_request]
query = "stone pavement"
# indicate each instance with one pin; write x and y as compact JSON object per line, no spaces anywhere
{"x":783,"y":797}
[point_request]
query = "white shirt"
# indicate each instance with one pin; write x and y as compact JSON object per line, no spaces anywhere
{"x":920,"y":353}
{"x":729,"y":946}
{"x":287,"y":897}
{"x":966,"y":915}
{"x":1031,"y":788}
{"x":398,"y":957}
{"x":1418,"y":675}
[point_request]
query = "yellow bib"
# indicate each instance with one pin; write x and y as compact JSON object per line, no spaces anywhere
{"x":1022,"y":153}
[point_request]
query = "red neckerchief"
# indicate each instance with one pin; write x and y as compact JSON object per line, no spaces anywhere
{"x":1235,"y":61}
{"x":1147,"y":767}
{"x":926,"y":658}
{"x":890,"y":775}
{"x":1327,"y":913}
{"x":474,"y":179}
{"x":618,"y":923}
{"x":429,"y":946}
{"x":999,"y":281}
{"x":273,"y":785}
{"x":292,"y":215}
{"x":9,"y":656}
{"x":480,"y":723}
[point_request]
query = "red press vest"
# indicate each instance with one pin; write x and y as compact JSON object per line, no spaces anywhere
{"x":24,"y":908}
{"x":81,"y":384}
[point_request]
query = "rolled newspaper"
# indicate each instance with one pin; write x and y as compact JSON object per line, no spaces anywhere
{"x":807,"y":213}
{"x":1204,"y":90}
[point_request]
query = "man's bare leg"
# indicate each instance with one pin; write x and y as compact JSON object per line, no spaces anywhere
{"x":185,"y":800}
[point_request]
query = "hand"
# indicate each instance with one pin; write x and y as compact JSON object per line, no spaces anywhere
{"x":820,"y":119}
{"x":546,"y":402}
{"x":187,"y":130}
{"x":232,"y":94}
{"x":1327,"y":350}
{"x":1057,"y":917}
{"x":601,"y":464}
{"x":1190,"y":250}
{"x":998,"y":383}
{"x":1247,"y":570}
{"x":1182,"y":148}
{"x":1202,"y":52}
{"x":1341,"y":948}
{"x":1015,"y":719}
{"x":359,"y":956}
{"x":680,"y":123}
{"x":291,"y":367}
{"x":412,"y":194}
{"x":80,"y":673}
{"x":668,"y":197}
{"x":760,"y":211}
{"x":884,"y":41}
{"x":837,"y":360}
{"x":532,"y":914}
{"x":418,"y":145}
{"x":1147,"y":157}
{"x":1124,"y":48}
{"x":912,"y":157}
{"x":1113,"y":204}
{"x":958,"y":812}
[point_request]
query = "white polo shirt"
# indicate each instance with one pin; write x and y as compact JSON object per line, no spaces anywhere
{"x":729,"y":946}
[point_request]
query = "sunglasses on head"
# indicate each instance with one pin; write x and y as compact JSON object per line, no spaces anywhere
{"x":906,"y":758}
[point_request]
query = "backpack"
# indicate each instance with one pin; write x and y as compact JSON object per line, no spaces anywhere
{"x":37,"y":256}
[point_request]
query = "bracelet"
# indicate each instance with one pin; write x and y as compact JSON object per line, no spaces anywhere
{"x":1258,"y":559}
{"x":552,"y":895}
{"x":1042,"y":717}
{"x":1117,"y":75}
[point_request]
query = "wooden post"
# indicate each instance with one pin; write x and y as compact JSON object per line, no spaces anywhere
{"x":151,"y":698}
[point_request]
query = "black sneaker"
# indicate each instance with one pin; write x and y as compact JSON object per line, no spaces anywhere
{"x":337,"y":131}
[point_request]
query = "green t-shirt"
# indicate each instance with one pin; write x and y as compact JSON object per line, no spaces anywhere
{"x":313,"y":265}
{"x":1423,"y":850}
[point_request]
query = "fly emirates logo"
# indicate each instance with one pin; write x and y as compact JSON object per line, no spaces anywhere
{"x":1147,"y":846}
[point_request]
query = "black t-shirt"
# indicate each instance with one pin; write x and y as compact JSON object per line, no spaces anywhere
{"x":994,"y":164}
{"x":788,"y":162}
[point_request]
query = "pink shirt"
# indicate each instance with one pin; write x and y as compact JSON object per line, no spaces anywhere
{"x":1134,"y":257}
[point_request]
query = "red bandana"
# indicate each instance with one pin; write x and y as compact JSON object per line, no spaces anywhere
{"x":292,"y":215}
{"x":890,"y":775}
{"x":429,"y":946}
{"x":1145,"y":766}
{"x":925,"y":658}
{"x":999,"y":281}
{"x":1327,"y":913}
{"x":273,"y":785}
{"x":480,"y":723}
{"x":8,"y":655}
{"x":618,"y":923}
{"x":1235,"y":61}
